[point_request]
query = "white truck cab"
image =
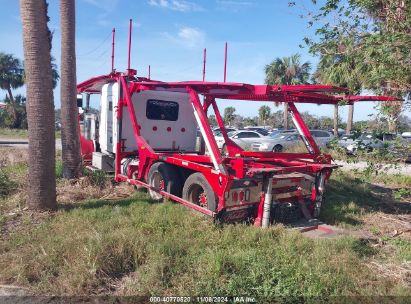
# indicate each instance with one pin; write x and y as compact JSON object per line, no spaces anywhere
{"x":166,"y":122}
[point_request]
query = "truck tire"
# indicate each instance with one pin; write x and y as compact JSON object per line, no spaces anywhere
{"x":198,"y":191}
{"x":278,"y":148}
{"x":164,"y":177}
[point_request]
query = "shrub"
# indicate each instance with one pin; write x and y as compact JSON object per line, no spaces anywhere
{"x":98,"y":178}
{"x":6,"y":185}
{"x":59,"y":168}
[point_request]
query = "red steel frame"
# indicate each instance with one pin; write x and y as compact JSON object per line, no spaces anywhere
{"x":215,"y":167}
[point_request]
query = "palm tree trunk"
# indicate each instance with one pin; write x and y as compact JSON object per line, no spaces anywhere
{"x":12,"y":108}
{"x":69,"y":112}
{"x":285,"y":115}
{"x":10,"y":94}
{"x":336,"y":120}
{"x":350,"y":119}
{"x":40,"y":105}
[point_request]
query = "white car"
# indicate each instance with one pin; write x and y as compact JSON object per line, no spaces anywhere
{"x":251,"y":140}
{"x":243,"y":138}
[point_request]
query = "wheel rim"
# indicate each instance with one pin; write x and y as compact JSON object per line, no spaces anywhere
{"x":198,"y":196}
{"x":277,"y":149}
{"x":157,"y":182}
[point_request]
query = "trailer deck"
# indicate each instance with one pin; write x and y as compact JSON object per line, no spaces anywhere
{"x":148,"y":127}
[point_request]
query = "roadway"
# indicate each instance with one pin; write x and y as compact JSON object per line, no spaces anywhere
{"x":22,"y":143}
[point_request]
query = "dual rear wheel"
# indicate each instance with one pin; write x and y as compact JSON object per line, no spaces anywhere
{"x":196,"y":189}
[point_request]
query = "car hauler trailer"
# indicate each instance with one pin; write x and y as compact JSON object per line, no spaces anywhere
{"x":147,"y":137}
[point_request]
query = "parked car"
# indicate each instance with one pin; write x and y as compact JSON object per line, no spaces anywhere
{"x":217,"y":131}
{"x":322,"y":138}
{"x":243,"y":138}
{"x":277,"y":131}
{"x":346,"y":140}
{"x":366,"y":142}
{"x":406,"y":135}
{"x":276,"y":142}
{"x":260,"y":130}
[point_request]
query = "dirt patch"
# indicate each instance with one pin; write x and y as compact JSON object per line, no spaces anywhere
{"x":12,"y":156}
{"x":71,"y":192}
{"x":399,"y":272}
{"x":388,"y":225}
{"x":12,"y":290}
{"x":20,"y":219}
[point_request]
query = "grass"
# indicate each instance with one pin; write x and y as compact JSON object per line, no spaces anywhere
{"x":132,"y":246}
{"x":152,"y":249}
{"x":6,"y":185}
{"x":18,"y":133}
{"x":351,"y":196}
{"x":13,"y":133}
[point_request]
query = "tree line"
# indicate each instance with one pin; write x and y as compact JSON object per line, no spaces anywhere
{"x":276,"y":120}
{"x":363,"y":45}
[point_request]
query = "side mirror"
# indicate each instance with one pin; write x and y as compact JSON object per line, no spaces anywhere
{"x":79,"y":100}
{"x":235,"y":136}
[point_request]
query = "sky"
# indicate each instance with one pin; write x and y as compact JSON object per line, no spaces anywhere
{"x":170,"y":36}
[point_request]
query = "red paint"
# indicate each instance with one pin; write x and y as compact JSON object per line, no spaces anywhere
{"x":241,"y":196}
{"x":240,"y":163}
{"x":235,"y":196}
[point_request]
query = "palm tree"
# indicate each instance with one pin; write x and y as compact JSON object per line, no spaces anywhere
{"x":40,"y":105}
{"x":263,"y":114}
{"x":287,"y":71}
{"x":69,"y":113}
{"x":11,"y":74}
{"x":11,"y":77}
{"x":342,"y":71}
{"x":229,"y":115}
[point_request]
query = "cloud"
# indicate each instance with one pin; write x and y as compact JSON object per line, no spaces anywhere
{"x":234,"y":5}
{"x":176,"y":5}
{"x":193,"y":37}
{"x":105,"y":5}
{"x":187,"y":36}
{"x":232,"y":2}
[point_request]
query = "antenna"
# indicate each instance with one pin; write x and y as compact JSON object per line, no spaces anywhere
{"x":112,"y":50}
{"x":149,"y":71}
{"x":129,"y":44}
{"x":204,"y":63}
{"x":225,"y":62}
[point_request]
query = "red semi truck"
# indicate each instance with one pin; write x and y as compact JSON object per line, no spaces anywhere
{"x":147,"y":136}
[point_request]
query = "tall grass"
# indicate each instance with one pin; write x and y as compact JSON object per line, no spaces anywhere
{"x":13,"y":133}
{"x":132,"y":247}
